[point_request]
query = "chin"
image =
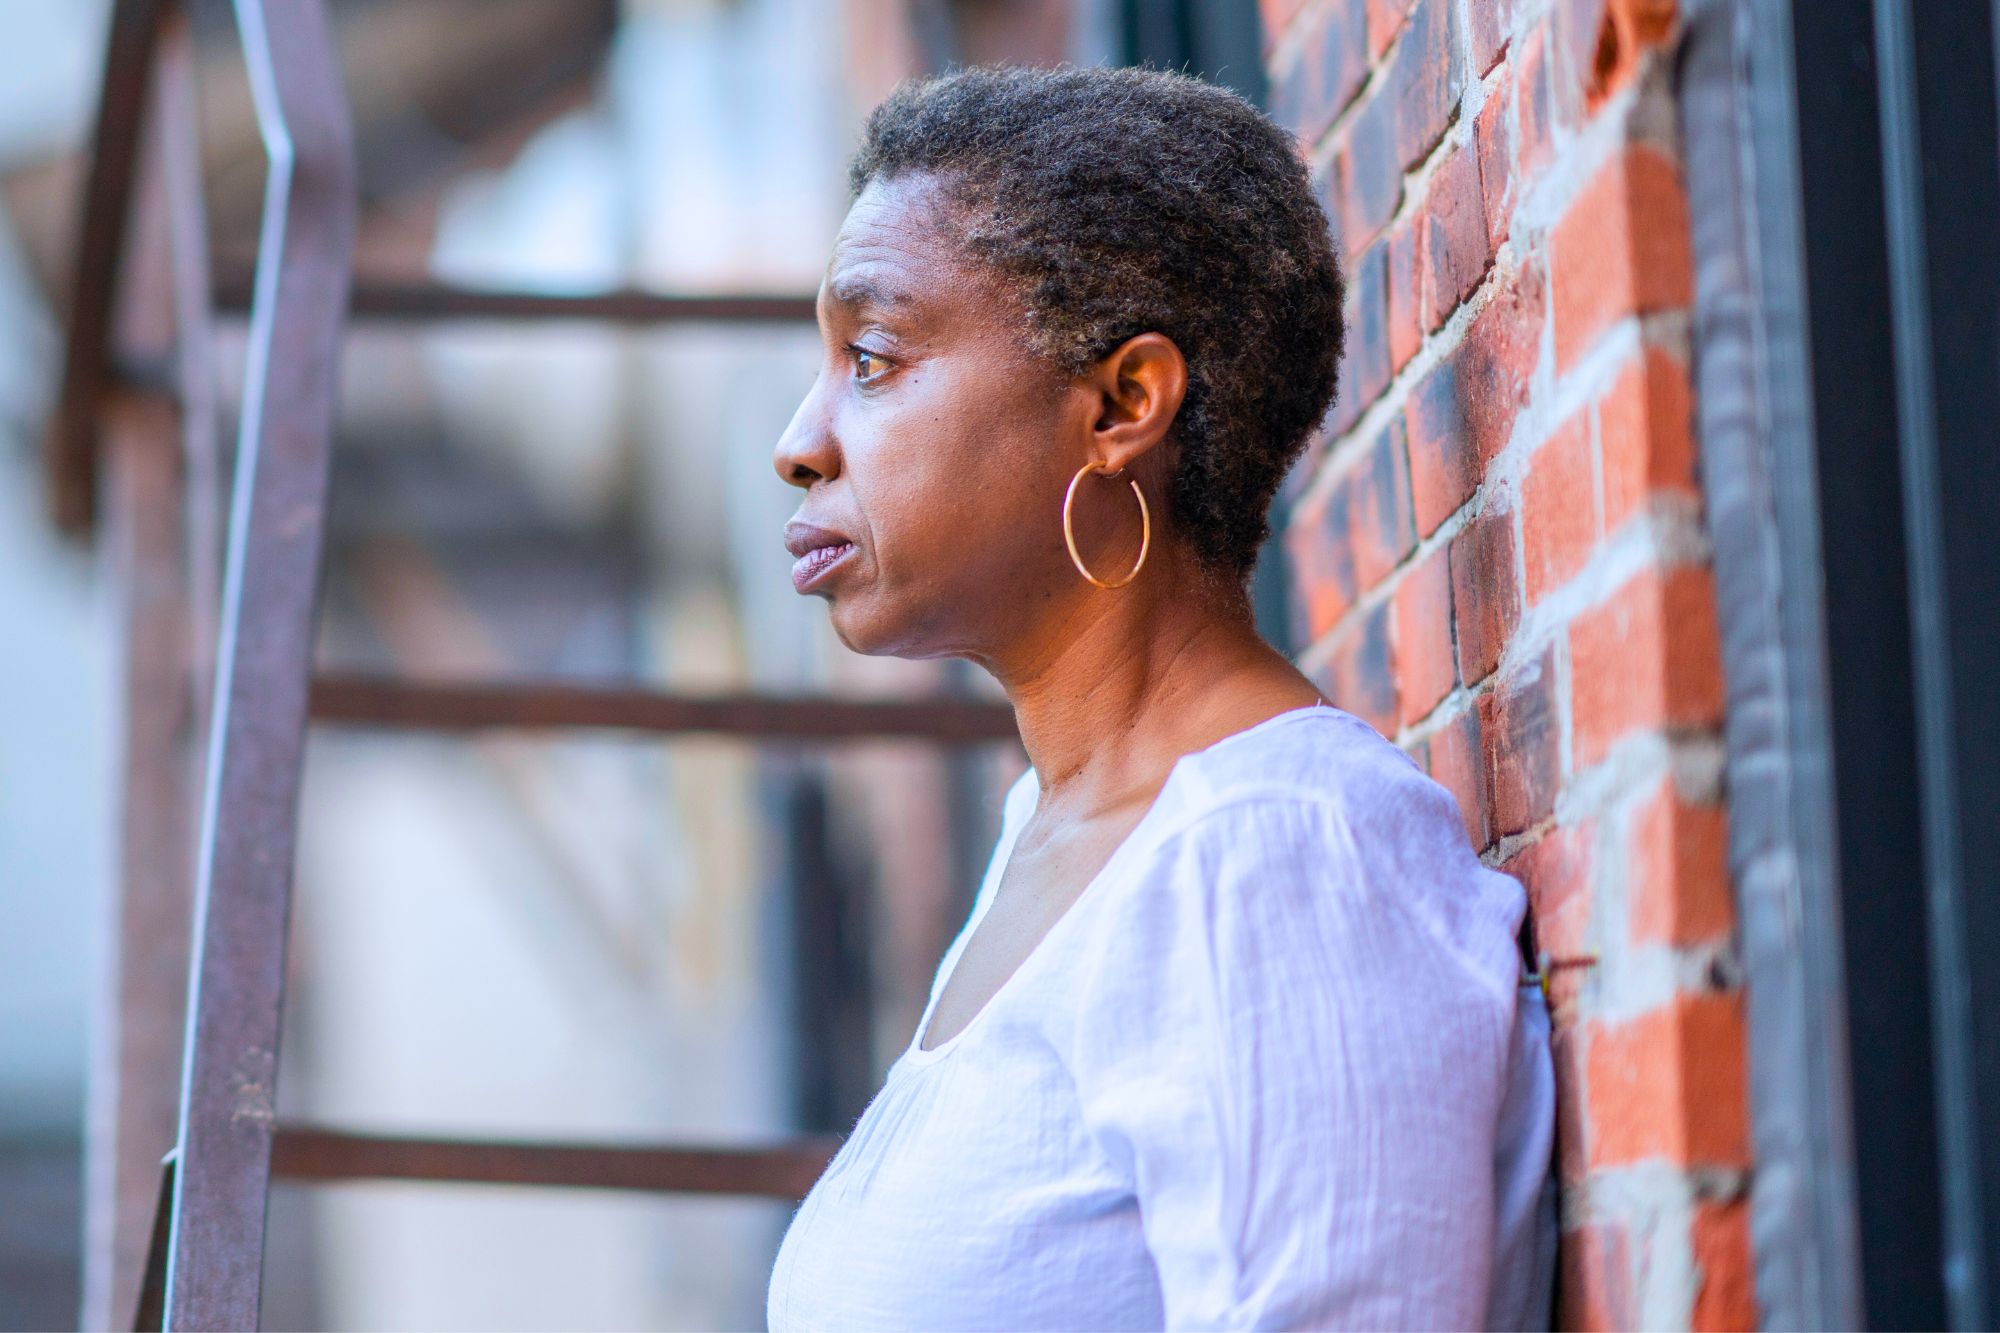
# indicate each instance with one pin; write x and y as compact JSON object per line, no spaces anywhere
{"x":876,"y":631}
{"x":857,"y":630}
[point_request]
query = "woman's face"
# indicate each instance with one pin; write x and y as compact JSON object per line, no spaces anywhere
{"x":933,"y":448}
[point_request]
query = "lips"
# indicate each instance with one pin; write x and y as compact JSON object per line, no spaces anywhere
{"x":818,"y":550}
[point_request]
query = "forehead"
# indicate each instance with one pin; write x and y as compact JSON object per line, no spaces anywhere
{"x":894,"y":255}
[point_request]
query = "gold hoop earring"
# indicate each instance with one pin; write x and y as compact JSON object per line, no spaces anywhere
{"x":1069,"y":535}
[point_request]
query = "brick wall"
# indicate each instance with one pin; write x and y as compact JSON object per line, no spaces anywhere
{"x":1498,"y":558}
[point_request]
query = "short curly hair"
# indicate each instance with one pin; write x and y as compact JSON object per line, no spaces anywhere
{"x":1114,"y":202}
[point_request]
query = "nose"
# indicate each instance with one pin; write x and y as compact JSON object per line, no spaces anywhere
{"x":807,"y":451}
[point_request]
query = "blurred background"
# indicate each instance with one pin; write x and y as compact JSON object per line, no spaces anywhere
{"x":605,"y":938}
{"x":1654,"y":520}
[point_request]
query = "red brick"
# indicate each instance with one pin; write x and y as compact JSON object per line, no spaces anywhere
{"x":1497,"y":360}
{"x":1489,"y":21}
{"x":1320,"y":551}
{"x":1558,"y":508}
{"x":1485,"y":593}
{"x":1406,"y":334}
{"x":1456,"y":250}
{"x":1670,"y":1084}
{"x":1595,"y":1291}
{"x":1360,"y":674}
{"x":1463,"y":412}
{"x":1379,"y":493}
{"x":1605,"y":40}
{"x":1566,"y":1050}
{"x":1726,"y":1300}
{"x":1456,"y":758}
{"x":1385,"y":20}
{"x":1493,"y":136}
{"x":1519,"y":722}
{"x":1573,"y":28}
{"x":1276,"y":15}
{"x":1646,"y":425}
{"x":1424,"y":655}
{"x":1425,"y":77}
{"x":1555,"y":869}
{"x":1537,"y":143}
{"x":1328,"y":71}
{"x":1648,"y":658}
{"x":1678,"y":863}
{"x":1620,"y":249}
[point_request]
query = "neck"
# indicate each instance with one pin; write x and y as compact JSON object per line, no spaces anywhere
{"x":1100,"y":696}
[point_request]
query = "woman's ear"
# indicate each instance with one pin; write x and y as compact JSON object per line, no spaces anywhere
{"x":1140,"y":385}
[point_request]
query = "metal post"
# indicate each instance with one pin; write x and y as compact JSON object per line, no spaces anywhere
{"x":135,"y":1075}
{"x":136,"y":1063}
{"x":269,"y":610}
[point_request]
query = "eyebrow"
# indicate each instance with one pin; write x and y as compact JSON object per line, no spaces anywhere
{"x":852,"y":290}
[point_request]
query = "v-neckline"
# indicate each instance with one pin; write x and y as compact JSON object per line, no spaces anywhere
{"x":915,"y":1053}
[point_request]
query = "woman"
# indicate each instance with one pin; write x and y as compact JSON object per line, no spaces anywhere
{"x":1236,"y":1034}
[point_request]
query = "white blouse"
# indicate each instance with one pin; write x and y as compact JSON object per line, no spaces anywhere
{"x":1275,"y":1067}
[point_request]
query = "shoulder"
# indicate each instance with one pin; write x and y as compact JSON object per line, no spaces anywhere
{"x":1314,"y":816}
{"x":1319,"y":756}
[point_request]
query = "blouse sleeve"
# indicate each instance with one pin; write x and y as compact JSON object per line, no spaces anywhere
{"x":1299,"y":1072}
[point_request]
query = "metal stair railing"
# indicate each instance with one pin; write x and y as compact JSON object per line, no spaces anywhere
{"x":203,"y":1267}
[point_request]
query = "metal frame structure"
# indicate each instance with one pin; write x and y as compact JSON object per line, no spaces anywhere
{"x":199,"y":1224}
{"x":1759,"y":470}
{"x":1844,"y":179}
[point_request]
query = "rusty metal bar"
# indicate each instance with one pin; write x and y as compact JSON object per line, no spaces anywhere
{"x":136,"y":1059}
{"x":179,"y":136}
{"x":269,"y":610}
{"x":466,"y":706}
{"x":781,"y":1171}
{"x":136,"y":1064}
{"x":384,"y":299}
{"x":169,"y":647}
{"x":114,"y":148}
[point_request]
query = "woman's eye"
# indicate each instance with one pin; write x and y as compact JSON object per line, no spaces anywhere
{"x":867,"y":365}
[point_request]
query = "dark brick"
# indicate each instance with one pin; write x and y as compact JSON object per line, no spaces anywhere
{"x":1328,"y":72}
{"x":1368,"y":328}
{"x":1456,"y":757}
{"x":1444,"y":467}
{"x":1406,"y":332}
{"x":1367,"y":178}
{"x":1426,"y":75}
{"x":1360,"y":675}
{"x":1347,"y":401}
{"x":1493,"y":137}
{"x":1519,"y":721}
{"x":1321,"y":552}
{"x":1537,"y":146}
{"x":1380,"y":495}
{"x":1485,"y":592}
{"x":1456,"y":248}
{"x":1426,"y":662}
